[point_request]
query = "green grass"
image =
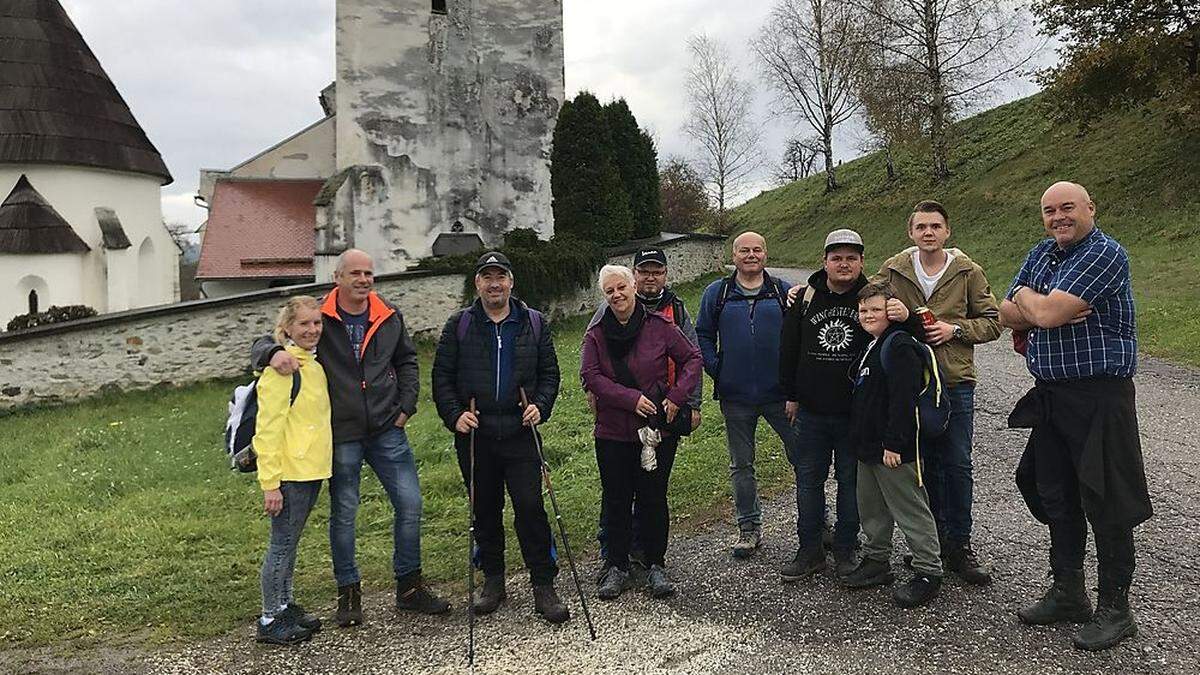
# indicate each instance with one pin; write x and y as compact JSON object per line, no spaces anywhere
{"x":119,"y":516}
{"x":1143,"y":174}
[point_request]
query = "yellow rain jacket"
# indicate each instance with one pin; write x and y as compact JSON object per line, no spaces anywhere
{"x":293,"y":443}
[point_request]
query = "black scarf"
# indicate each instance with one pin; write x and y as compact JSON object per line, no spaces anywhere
{"x":620,"y":339}
{"x":659,"y":302}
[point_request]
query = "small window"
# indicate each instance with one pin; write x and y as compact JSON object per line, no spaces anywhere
{"x":439,"y":6}
{"x":33,"y":302}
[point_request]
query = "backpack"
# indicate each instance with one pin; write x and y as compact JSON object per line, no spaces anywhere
{"x":776,"y":292}
{"x":465,"y":319}
{"x":240,"y":427}
{"x":933,"y":406}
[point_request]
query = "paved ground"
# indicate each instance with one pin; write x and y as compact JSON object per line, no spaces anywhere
{"x":736,"y":616}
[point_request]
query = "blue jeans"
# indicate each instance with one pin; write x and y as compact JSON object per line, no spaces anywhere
{"x":947,"y":466}
{"x":390,"y":456}
{"x":820,"y":440}
{"x":279,"y":564}
{"x":741,"y":421}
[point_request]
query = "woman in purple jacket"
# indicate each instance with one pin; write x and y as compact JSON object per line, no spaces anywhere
{"x":624,"y":363}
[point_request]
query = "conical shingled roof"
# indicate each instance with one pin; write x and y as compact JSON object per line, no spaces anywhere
{"x":28,"y":224}
{"x":57,"y":105}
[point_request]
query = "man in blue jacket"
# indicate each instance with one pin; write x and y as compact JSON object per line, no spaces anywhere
{"x":739,"y":325}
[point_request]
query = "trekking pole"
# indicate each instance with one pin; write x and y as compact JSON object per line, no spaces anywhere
{"x":562,"y":530}
{"x":471,"y":548}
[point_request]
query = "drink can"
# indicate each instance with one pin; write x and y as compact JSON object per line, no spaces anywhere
{"x":926,"y":315}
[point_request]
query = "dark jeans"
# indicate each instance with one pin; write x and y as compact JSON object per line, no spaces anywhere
{"x":511,"y":462}
{"x":280,"y":562}
{"x":622,"y":479}
{"x":741,"y":421}
{"x":948,"y":471}
{"x":390,"y":456}
{"x":820,"y":440}
{"x":1059,"y":448}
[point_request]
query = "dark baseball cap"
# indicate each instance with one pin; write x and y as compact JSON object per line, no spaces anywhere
{"x":649,"y":255}
{"x":493,"y":259}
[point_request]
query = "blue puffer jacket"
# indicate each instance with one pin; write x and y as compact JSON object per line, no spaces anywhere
{"x":741,"y":346}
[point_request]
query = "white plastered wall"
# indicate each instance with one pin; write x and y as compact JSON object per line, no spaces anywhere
{"x":56,"y":278}
{"x":75,"y":192}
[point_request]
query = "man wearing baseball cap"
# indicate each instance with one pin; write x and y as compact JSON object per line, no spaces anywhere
{"x":487,"y":353}
{"x":821,"y":338}
{"x":650,"y":275}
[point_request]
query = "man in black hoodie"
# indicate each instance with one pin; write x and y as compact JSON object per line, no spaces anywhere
{"x":820,"y":343}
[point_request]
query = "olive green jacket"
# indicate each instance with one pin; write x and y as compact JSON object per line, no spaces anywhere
{"x":962,"y":297}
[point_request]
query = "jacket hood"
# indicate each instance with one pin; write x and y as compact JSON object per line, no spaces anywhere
{"x":902,"y":263}
{"x":820,"y":281}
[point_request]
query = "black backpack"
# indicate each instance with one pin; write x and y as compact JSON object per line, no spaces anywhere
{"x":242,"y":422}
{"x":776,"y":291}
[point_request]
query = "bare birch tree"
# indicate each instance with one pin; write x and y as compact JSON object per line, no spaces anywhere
{"x":799,"y":156}
{"x":720,"y":122}
{"x":809,"y":51}
{"x":959,"y":48}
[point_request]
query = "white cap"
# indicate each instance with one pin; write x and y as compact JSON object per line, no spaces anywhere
{"x":844,"y":238}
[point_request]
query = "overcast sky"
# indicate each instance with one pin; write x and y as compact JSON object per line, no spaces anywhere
{"x":215,"y":82}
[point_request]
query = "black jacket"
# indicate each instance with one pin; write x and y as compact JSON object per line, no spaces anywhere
{"x":883,"y":415}
{"x":464,"y":370}
{"x":365,"y":397}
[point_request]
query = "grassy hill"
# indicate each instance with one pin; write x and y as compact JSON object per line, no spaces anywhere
{"x":1142,"y":173}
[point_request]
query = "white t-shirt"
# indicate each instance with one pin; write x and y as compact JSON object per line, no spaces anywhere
{"x":929,"y":282}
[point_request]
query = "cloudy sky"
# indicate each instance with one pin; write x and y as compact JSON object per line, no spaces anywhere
{"x":214,"y":82}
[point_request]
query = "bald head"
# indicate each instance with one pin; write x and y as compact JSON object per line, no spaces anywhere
{"x":750,"y":255}
{"x":1068,"y":213}
{"x":353,"y":257}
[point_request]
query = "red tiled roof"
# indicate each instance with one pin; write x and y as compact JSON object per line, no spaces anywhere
{"x":260,"y":229}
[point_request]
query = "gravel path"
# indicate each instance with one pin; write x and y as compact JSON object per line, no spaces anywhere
{"x":736,"y":616}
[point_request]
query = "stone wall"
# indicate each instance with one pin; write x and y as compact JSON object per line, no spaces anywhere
{"x":195,"y":341}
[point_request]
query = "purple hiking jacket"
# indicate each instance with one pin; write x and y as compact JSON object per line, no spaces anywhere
{"x":616,"y":419}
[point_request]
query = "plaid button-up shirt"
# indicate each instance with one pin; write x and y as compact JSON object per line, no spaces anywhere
{"x":1095,"y":270}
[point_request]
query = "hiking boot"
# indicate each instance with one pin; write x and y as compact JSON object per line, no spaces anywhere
{"x":414,"y":596}
{"x":281,"y":632}
{"x":349,"y":611}
{"x":658,"y":584}
{"x":1112,"y":622}
{"x":1065,"y":601}
{"x":297,"y":615}
{"x":805,"y":563}
{"x":747,"y":543}
{"x":489,"y":596}
{"x":547,"y":603}
{"x":869,"y":573}
{"x":919,"y":590}
{"x":844,"y":561}
{"x":613,"y":583}
{"x":962,"y":561}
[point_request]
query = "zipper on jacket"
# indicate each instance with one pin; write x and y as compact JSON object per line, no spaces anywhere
{"x":499,"y":348}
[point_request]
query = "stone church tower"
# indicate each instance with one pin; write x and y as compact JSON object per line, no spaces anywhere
{"x":445,"y":114}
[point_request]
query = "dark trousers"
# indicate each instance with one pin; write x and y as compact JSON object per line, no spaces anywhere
{"x":820,"y":441}
{"x":1059,"y":445}
{"x":602,"y":530}
{"x":622,"y":479}
{"x":511,"y":462}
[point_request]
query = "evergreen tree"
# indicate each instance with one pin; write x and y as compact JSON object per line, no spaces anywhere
{"x":590,"y":201}
{"x":637,"y":160}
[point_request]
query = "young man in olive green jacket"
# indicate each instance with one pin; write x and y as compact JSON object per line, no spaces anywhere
{"x":956,"y":290}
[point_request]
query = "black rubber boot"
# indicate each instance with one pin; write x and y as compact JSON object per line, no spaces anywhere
{"x":1065,"y":601}
{"x":349,"y":611}
{"x":489,"y":596}
{"x":1112,"y":622}
{"x":547,"y":603}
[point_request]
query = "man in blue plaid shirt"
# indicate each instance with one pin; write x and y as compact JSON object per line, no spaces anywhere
{"x":1083,"y":463}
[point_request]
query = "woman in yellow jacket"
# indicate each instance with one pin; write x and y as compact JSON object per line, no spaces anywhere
{"x":294,"y":444}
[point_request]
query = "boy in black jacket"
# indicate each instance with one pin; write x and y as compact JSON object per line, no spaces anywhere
{"x":884,"y":437}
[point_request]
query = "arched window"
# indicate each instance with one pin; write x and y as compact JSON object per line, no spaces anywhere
{"x":33,"y":301}
{"x":439,"y":6}
{"x":35,"y":290}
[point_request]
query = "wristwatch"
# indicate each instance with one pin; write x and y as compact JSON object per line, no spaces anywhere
{"x":958,"y":332}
